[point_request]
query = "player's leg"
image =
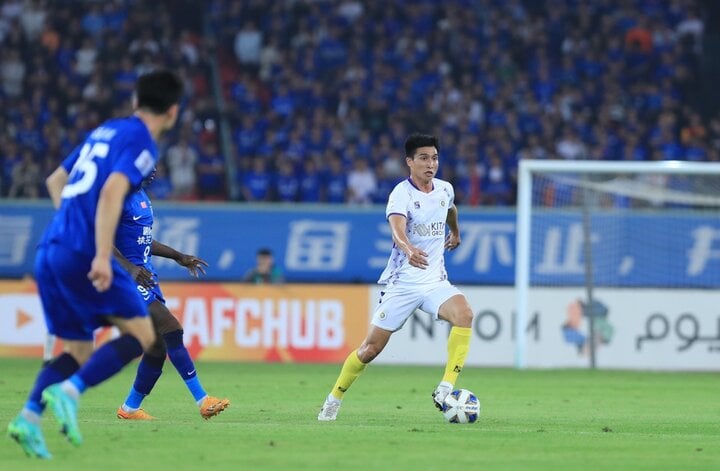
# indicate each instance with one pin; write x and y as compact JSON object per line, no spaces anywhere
{"x":394,"y":308}
{"x":148,"y":373}
{"x":172,"y":333}
{"x":49,"y":347}
{"x":137,"y":335}
{"x":457,"y":311}
{"x":356,"y":362}
{"x":25,"y":428}
{"x":60,"y":318}
{"x":352,"y":368}
{"x":130,"y":316}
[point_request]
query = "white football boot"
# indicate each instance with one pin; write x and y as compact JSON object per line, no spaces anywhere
{"x":329,"y":409}
{"x":440,"y":393}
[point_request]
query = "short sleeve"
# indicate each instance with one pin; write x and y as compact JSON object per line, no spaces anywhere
{"x":137,"y":160}
{"x":70,"y":160}
{"x":398,"y":202}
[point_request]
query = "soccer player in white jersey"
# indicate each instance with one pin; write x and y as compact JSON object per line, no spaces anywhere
{"x":418,"y":211}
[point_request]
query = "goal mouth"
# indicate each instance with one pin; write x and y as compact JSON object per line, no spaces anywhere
{"x":609,"y":225}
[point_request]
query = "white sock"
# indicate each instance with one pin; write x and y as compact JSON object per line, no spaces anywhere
{"x":128,"y":409}
{"x":199,"y":403}
{"x":70,"y":389}
{"x":30,"y":416}
{"x":445,"y":384}
{"x":331,"y":398}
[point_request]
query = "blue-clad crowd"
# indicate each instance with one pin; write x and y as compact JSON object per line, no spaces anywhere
{"x":318,"y":95}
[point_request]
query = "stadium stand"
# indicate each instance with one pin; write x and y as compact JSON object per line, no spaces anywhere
{"x":275,"y":85}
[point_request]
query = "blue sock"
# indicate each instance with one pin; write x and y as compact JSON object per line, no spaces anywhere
{"x":180,"y":358}
{"x":134,"y":399}
{"x":107,"y":361}
{"x":53,"y":372}
{"x":148,"y":373}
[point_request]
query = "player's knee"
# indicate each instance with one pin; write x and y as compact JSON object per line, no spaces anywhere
{"x":163,"y":319}
{"x":147,"y":339}
{"x":80,"y":351}
{"x":169,"y":325}
{"x":464,"y":317}
{"x":157,"y":349}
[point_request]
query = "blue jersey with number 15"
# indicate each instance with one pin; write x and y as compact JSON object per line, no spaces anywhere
{"x":119,"y":145}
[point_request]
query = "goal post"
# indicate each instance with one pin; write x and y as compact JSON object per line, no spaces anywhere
{"x":608,"y":194}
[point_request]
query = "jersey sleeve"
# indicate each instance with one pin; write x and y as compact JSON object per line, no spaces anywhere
{"x":70,"y":160}
{"x":398,"y":202}
{"x":136,"y":160}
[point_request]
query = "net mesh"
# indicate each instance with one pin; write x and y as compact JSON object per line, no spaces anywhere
{"x":645,"y":229}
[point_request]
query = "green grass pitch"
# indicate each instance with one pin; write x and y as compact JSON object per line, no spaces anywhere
{"x":531,"y":420}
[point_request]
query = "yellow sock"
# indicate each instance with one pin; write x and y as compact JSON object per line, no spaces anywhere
{"x":457,"y":347}
{"x":351,"y":369}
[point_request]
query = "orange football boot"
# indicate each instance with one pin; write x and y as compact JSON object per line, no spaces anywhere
{"x":137,"y":415}
{"x":212,"y":406}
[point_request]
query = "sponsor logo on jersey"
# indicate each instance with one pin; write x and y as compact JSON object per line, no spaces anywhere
{"x":433,"y":229}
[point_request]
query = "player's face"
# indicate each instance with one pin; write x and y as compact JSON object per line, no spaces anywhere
{"x":424,"y":164}
{"x":150,"y":178}
{"x":171,"y":117}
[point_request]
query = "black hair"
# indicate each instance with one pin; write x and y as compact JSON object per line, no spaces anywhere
{"x":158,"y":90}
{"x":264,"y":251}
{"x":417,"y":140}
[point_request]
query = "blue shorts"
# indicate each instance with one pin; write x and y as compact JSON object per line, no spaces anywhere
{"x":73,"y":308}
{"x":149,"y":296}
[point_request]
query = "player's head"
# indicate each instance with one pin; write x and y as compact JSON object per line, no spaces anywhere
{"x":264,"y":259}
{"x":417,"y":140}
{"x":150,"y":178}
{"x":159,"y":93}
{"x":421,"y":155}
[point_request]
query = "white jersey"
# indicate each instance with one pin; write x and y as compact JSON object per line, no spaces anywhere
{"x":426,"y":214}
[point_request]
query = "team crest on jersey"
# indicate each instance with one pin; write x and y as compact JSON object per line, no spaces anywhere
{"x":442,"y":203}
{"x":143,"y":205}
{"x":417,"y":205}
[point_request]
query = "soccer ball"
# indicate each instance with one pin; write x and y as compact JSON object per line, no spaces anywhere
{"x":461,"y":407}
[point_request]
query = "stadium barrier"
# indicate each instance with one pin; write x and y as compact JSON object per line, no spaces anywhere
{"x":341,"y":244}
{"x":638,"y":328}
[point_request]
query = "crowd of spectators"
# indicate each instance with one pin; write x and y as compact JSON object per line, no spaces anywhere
{"x":66,"y":66}
{"x":319,"y":95}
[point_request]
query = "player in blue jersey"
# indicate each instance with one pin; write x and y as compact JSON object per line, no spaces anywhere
{"x":81,"y":285}
{"x":134,"y":248}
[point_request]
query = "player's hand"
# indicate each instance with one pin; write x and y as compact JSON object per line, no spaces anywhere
{"x":417,"y":258}
{"x":452,"y":241}
{"x":195,"y":265}
{"x":101,"y":274}
{"x":142,"y":276}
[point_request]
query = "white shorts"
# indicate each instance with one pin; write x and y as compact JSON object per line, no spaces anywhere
{"x":398,"y":302}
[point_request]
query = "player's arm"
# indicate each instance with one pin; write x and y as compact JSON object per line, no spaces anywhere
{"x":57,"y":180}
{"x":195,"y":265}
{"x":140,"y":274}
{"x":398,"y":229}
{"x":452,"y":241}
{"x":109,"y":208}
{"x":55,"y":183}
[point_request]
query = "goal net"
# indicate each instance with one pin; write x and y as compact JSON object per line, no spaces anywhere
{"x":604,"y":247}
